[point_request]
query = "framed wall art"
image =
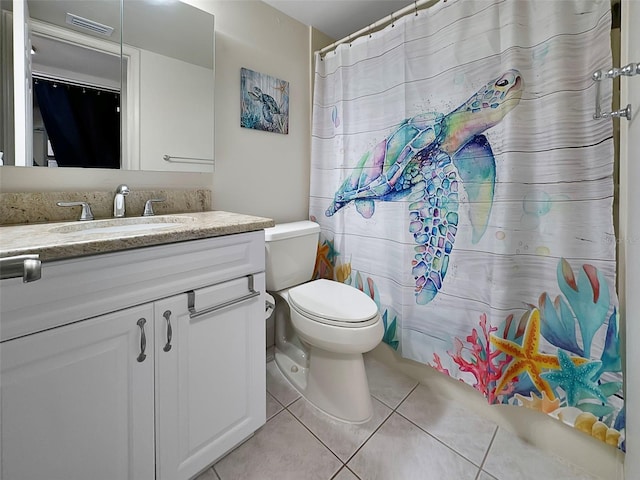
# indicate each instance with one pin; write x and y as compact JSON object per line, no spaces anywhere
{"x":264,"y":102}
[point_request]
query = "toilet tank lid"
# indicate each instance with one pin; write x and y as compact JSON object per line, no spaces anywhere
{"x":289,"y":230}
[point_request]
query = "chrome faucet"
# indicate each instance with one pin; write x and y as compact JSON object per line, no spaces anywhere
{"x":118,"y":201}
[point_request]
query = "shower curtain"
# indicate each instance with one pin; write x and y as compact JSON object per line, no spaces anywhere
{"x":460,"y":180}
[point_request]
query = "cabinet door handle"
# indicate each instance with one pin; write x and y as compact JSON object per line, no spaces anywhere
{"x":143,"y":340}
{"x":167,"y":316}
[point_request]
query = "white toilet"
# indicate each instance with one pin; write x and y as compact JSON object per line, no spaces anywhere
{"x":322,"y":327}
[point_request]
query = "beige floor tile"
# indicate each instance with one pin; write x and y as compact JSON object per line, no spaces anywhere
{"x":281,"y":450}
{"x":386,"y":384}
{"x":511,"y":457}
{"x":208,"y":474}
{"x":342,"y":438}
{"x":345,"y":474}
{"x":273,"y":406}
{"x":279,"y":387}
{"x":400,"y":450}
{"x":486,"y":476}
{"x":462,"y":429}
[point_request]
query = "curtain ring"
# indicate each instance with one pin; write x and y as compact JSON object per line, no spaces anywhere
{"x":393,"y":22}
{"x":370,"y":30}
{"x":415,"y":4}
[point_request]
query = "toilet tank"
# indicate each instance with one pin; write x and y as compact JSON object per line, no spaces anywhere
{"x":290,"y":253}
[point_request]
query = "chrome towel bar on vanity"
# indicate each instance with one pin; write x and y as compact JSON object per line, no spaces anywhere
{"x":193,"y":313}
{"x":29,"y":267}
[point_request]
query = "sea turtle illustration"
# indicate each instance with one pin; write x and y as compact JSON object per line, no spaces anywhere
{"x":269,"y":105}
{"x":425,"y":160}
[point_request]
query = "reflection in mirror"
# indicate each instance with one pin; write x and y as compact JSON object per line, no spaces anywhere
{"x":161,"y":105}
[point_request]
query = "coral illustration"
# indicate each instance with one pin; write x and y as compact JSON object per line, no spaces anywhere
{"x":542,"y":404}
{"x":389,"y":320}
{"x":588,"y":297}
{"x":390,"y":337}
{"x":343,"y":272}
{"x":325,"y":260}
{"x":438,"y":364}
{"x":479,"y":360}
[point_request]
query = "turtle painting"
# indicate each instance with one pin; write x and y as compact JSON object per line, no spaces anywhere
{"x":269,"y":105}
{"x":426,"y":160}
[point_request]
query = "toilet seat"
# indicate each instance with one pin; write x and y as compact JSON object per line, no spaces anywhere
{"x":333,"y":303}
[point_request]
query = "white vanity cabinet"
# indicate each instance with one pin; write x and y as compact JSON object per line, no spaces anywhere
{"x":210,"y":379}
{"x":141,"y":364}
{"x":76,"y":404}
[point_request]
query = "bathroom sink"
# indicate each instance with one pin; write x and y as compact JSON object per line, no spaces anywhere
{"x":124,"y":226}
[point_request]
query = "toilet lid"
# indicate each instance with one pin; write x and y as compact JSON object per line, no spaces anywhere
{"x":333,"y":301}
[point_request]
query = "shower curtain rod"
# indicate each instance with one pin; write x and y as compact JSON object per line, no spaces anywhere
{"x":73,"y":83}
{"x":420,"y":4}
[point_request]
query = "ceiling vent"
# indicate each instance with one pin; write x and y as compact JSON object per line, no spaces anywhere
{"x":89,"y":25}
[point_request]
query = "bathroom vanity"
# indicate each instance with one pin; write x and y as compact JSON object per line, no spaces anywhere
{"x":143,"y":360}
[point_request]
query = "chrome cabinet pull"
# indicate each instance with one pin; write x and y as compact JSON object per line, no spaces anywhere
{"x":143,"y":340}
{"x":167,"y":316}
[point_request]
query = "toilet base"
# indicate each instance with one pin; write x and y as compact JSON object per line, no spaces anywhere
{"x":334,"y":383}
{"x":292,"y":371}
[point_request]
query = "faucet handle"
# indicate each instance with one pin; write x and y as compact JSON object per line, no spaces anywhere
{"x":148,"y":206}
{"x":86,"y":213}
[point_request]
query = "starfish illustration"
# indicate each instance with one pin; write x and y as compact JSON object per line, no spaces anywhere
{"x":281,"y":87}
{"x":527,"y":358}
{"x":575,"y":379}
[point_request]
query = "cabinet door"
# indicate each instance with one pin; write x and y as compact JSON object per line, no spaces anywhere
{"x":211,"y":383}
{"x":76,"y":402}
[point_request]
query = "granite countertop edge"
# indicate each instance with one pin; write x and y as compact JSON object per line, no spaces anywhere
{"x":48,"y":241}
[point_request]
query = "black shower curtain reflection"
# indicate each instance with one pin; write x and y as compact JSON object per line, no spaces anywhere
{"x":83,"y":124}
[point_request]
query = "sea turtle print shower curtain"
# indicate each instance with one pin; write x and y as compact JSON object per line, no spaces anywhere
{"x":461,"y":181}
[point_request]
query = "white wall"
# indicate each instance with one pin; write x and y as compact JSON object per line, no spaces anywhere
{"x":256,"y":172}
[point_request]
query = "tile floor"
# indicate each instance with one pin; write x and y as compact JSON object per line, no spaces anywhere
{"x":414,"y":434}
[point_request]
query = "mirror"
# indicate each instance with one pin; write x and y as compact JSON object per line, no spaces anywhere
{"x":145,"y":102}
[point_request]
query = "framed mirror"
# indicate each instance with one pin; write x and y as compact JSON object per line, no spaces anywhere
{"x":136,"y":96}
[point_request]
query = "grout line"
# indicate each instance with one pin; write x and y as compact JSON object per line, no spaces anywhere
{"x":400,"y":402}
{"x":406,"y":396}
{"x":354,"y":473}
{"x":370,"y":436}
{"x":215,"y":473}
{"x":486,"y":455}
{"x":316,"y":437}
{"x":344,"y":467}
{"x":438,"y":440}
{"x":276,"y":400}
